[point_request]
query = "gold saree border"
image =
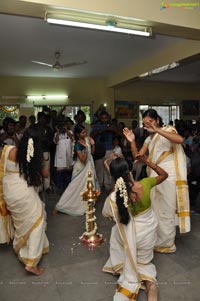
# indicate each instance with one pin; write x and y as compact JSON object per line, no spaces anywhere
{"x":12,"y":171}
{"x":183,"y":214}
{"x":45,"y":251}
{"x":32,"y":262}
{"x":181,"y":185}
{"x":126,"y":246}
{"x":164,"y":155}
{"x":130,"y":295}
{"x":144,"y":277}
{"x":181,"y":182}
{"x":171,"y":249}
{"x":182,"y":198}
{"x":118,"y":268}
{"x":25,"y":237}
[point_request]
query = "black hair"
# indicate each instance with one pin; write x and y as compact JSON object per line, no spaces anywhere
{"x":32,"y":118}
{"x":77,"y":130}
{"x":41,"y":115}
{"x":116,"y":137}
{"x":104,"y":113}
{"x":152,"y":114}
{"x":22,"y":118}
{"x":80,"y":112}
{"x":119,"y":168}
{"x":31,"y":171}
{"x":119,"y":140}
{"x":6,"y":121}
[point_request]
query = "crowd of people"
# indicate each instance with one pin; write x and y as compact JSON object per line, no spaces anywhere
{"x":144,"y":171}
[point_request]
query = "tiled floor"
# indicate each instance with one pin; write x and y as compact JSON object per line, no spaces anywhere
{"x":73,"y":273}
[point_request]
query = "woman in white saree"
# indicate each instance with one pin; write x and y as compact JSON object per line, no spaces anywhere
{"x":134,"y":235}
{"x":71,"y":200}
{"x":170,"y":199}
{"x":23,"y":173}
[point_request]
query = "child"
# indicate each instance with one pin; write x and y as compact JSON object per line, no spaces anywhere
{"x":63,"y":157}
{"x":117,"y":150}
{"x":116,"y":153}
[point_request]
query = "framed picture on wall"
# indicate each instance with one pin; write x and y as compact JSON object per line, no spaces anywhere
{"x":190,"y":107}
{"x":126,"y":109}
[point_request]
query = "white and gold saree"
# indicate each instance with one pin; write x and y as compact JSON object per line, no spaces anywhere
{"x":71,"y":201}
{"x":131,"y":250}
{"x":171,"y":196}
{"x":6,"y":226}
{"x":27,"y":213}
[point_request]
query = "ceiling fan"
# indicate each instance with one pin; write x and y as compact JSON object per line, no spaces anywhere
{"x":57,"y":65}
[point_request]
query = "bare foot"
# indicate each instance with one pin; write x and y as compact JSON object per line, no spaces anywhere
{"x":35,"y":270}
{"x":55,"y":212}
{"x":152,"y":291}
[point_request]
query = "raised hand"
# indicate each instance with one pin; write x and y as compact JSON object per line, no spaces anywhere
{"x":141,"y":158}
{"x":130,"y":136}
{"x":150,"y":127}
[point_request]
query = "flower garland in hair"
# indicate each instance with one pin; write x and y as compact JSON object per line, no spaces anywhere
{"x":121,"y":186}
{"x":30,"y":150}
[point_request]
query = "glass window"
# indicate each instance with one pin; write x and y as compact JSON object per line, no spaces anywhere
{"x":167,"y":113}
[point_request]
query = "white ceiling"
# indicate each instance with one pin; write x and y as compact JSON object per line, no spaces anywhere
{"x":23,"y":39}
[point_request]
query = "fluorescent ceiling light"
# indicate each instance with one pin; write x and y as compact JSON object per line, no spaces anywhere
{"x":48,"y":97}
{"x":13,"y":97}
{"x":160,"y":69}
{"x":100,"y":27}
{"x":165,"y":67}
{"x":97,"y":21}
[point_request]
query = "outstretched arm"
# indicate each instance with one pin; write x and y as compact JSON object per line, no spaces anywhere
{"x":130,"y":136}
{"x":162,"y":174}
{"x":172,"y":136}
{"x":108,"y":161}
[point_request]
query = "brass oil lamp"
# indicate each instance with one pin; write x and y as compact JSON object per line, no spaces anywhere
{"x":90,"y":237}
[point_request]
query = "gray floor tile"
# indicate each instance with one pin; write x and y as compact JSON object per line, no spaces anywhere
{"x":74,"y":273}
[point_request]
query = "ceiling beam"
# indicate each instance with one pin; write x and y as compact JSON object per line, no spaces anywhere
{"x":173,"y":21}
{"x":170,"y":54}
{"x":139,"y":9}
